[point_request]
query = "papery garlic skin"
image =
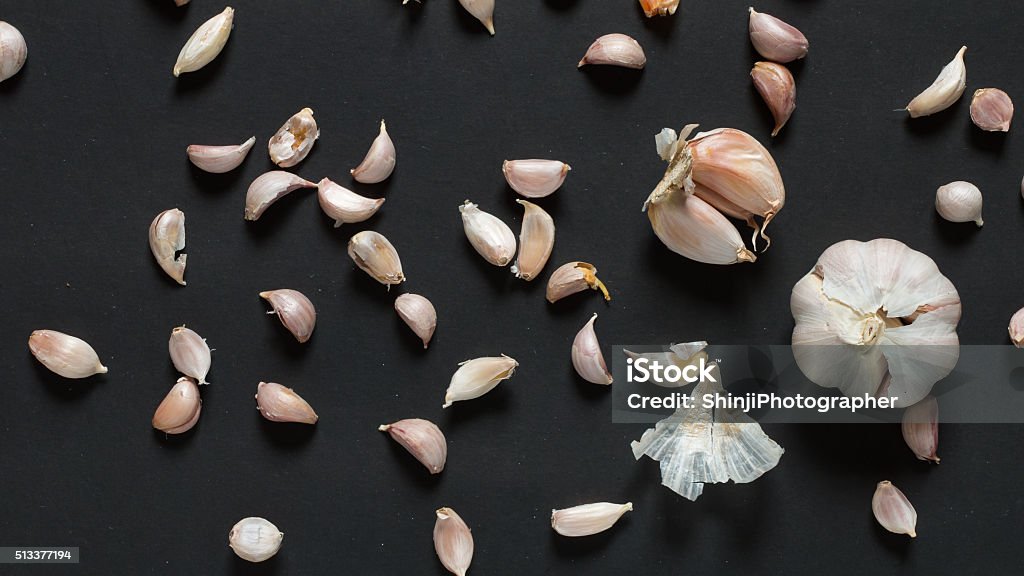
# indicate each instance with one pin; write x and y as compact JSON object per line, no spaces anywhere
{"x":588,"y":519}
{"x":294,"y":310}
{"x":921,"y":429}
{"x":189,"y":353}
{"x":375,"y":255}
{"x":573,"y":277}
{"x":536,"y":241}
{"x":944,"y":91}
{"x":205,"y":43}
{"x":219,"y":159}
{"x":587,"y":358}
{"x":776,"y":85}
{"x":13,"y":51}
{"x":490,"y":237}
{"x":775,"y":39}
{"x":654,"y":8}
{"x":959,"y":202}
{"x":477,"y":377}
{"x":1016,"y":328}
{"x":535,"y":178}
{"x":991,"y":110}
{"x":294,"y":139}
{"x":419,"y":314}
{"x":268,"y":188}
{"x":344,"y":205}
{"x":423,"y":439}
{"x":893,"y":511}
{"x":379,"y":162}
{"x":279,"y":403}
{"x":166,"y":238}
{"x":482,"y":10}
{"x":255,"y":539}
{"x":179,"y":411}
{"x":453,"y":541}
{"x":615,"y":50}
{"x":65,"y":355}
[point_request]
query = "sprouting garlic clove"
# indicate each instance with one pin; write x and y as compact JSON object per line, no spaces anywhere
{"x":535,"y":178}
{"x":268,"y":188}
{"x":279,"y":403}
{"x":991,"y":110}
{"x":690,"y":226}
{"x":615,"y":50}
{"x":477,"y":377}
{"x":893,"y":511}
{"x":490,"y":237}
{"x":419,"y":314}
{"x":189,"y":353}
{"x":423,"y":439}
{"x":294,"y":139}
{"x":379,"y":162}
{"x":375,"y":255}
{"x":654,"y":8}
{"x":776,"y":85}
{"x":179,"y":410}
{"x":64,"y":354}
{"x":453,"y":541}
{"x":921,"y":428}
{"x":13,"y":51}
{"x":1016,"y":328}
{"x":294,"y":310}
{"x":588,"y":519}
{"x":536,"y":240}
{"x":344,"y":205}
{"x":166,"y":239}
{"x":586,"y":355}
{"x":219,"y":159}
{"x":775,"y":39}
{"x":255,"y":539}
{"x":959,"y":202}
{"x":573,"y":277}
{"x":482,"y":10}
{"x":205,"y":43}
{"x":944,"y":91}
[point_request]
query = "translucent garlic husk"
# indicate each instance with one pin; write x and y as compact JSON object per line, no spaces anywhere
{"x":268,"y":188}
{"x":13,"y":51}
{"x":379,"y":162}
{"x":893,"y":511}
{"x":189,"y":353}
{"x":680,"y":355}
{"x":453,"y":541}
{"x":166,"y":239}
{"x":1016,"y":328}
{"x":959,"y":202}
{"x":876,"y":318}
{"x":587,"y":358}
{"x":535,"y":178}
{"x":419,"y":314}
{"x":944,"y":91}
{"x":573,"y":277}
{"x":482,"y":10}
{"x":219,"y":159}
{"x":775,"y":39}
{"x":991,"y":110}
{"x":179,"y":411}
{"x":205,"y":43}
{"x":294,"y":139}
{"x":279,"y":403}
{"x":477,"y":377}
{"x":588,"y":519}
{"x":615,"y":50}
{"x":255,"y":539}
{"x":295,"y":311}
{"x":423,"y":439}
{"x":489,"y":236}
{"x":376,"y":256}
{"x":659,"y":7}
{"x":344,"y":205}
{"x":536,"y":241}
{"x":65,"y":355}
{"x":921,"y":429}
{"x":777,"y":87}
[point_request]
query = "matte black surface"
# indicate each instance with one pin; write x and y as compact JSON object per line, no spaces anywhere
{"x":93,"y":133}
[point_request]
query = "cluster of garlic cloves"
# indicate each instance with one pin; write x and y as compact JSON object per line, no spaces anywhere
{"x":294,"y":140}
{"x":423,"y":439}
{"x":536,"y":240}
{"x":205,"y":43}
{"x":482,"y":10}
{"x":477,"y":377}
{"x":489,"y":236}
{"x":586,"y":355}
{"x":376,"y":256}
{"x":588,"y":519}
{"x":65,"y":355}
{"x":573,"y":277}
{"x":269,"y":188}
{"x":777,"y":87}
{"x":419,"y":314}
{"x":991,"y":110}
{"x":379,"y":162}
{"x":13,"y":51}
{"x":959,"y":202}
{"x":219,"y":159}
{"x":344,"y":205}
{"x":255,"y":539}
{"x":893,"y":511}
{"x":615,"y":50}
{"x":189,"y":353}
{"x":946,"y":89}
{"x":453,"y":541}
{"x":279,"y":403}
{"x":166,"y":240}
{"x":774,"y":39}
{"x":921,"y":429}
{"x":534,"y":178}
{"x":654,"y":8}
{"x":179,"y":411}
{"x":294,"y":310}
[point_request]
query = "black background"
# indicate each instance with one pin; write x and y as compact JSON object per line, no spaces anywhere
{"x":92,"y":135}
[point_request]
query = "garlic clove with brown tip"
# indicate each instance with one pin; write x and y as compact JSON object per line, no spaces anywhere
{"x":535,"y":178}
{"x":1016,"y":328}
{"x":659,"y":7}
{"x":453,"y":541}
{"x":586,"y":356}
{"x":219,"y":159}
{"x":255,"y":539}
{"x":776,"y":85}
{"x":344,"y":205}
{"x":482,"y":10}
{"x":65,"y":355}
{"x":268,"y":188}
{"x":294,"y":139}
{"x":959,"y":202}
{"x":179,"y":411}
{"x":946,"y":89}
{"x":376,"y":256}
{"x":991,"y":110}
{"x":379,"y":162}
{"x":588,"y":519}
{"x":477,"y":377}
{"x":423,"y":439}
{"x":294,"y":310}
{"x":536,"y":240}
{"x":921,"y":428}
{"x":775,"y":39}
{"x":166,"y":240}
{"x":573,"y":277}
{"x":205,"y":43}
{"x":189,"y":353}
{"x":490,"y":237}
{"x":279,"y":403}
{"x":13,"y":51}
{"x":615,"y":50}
{"x":893,"y":511}
{"x":419,"y":314}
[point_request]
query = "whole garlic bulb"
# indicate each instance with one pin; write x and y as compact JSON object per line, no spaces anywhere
{"x":959,"y":202}
{"x":13,"y":51}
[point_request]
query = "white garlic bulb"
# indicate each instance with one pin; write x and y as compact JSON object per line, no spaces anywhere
{"x":255,"y":539}
{"x":959,"y":202}
{"x":13,"y":51}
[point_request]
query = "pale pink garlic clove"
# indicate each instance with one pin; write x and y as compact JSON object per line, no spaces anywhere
{"x":166,"y":240}
{"x":453,"y":541}
{"x":477,"y":377}
{"x":659,"y":7}
{"x":775,"y":39}
{"x":278,"y":403}
{"x":423,"y":439}
{"x":588,"y":519}
{"x":1016,"y":328}
{"x":991,"y":110}
{"x":536,"y":240}
{"x":294,"y":140}
{"x":921,"y":428}
{"x":959,"y":202}
{"x":13,"y":51}
{"x":776,"y":85}
{"x":419,"y":314}
{"x":615,"y":50}
{"x":482,"y":10}
{"x":269,"y":188}
{"x":893,"y":511}
{"x":379,"y":162}
{"x":586,"y":356}
{"x":205,"y":43}
{"x":489,"y":236}
{"x":690,"y":226}
{"x":375,"y":255}
{"x":219,"y":159}
{"x":535,"y":178}
{"x":344,"y":205}
{"x":65,"y":355}
{"x":179,"y":410}
{"x":573,"y":277}
{"x":294,"y":310}
{"x":189,"y":353}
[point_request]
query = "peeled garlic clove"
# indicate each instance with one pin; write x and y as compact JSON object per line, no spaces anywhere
{"x":189,"y":353}
{"x":294,"y":310}
{"x":179,"y":410}
{"x":477,"y":377}
{"x":921,"y":428}
{"x":1017,"y":328}
{"x":64,"y":354}
{"x":689,"y":226}
{"x":573,"y":277}
{"x":991,"y":110}
{"x":423,"y":439}
{"x":255,"y":539}
{"x":379,"y":162}
{"x":659,"y":7}
{"x":13,"y":51}
{"x":294,"y":140}
{"x":615,"y":50}
{"x":535,"y":178}
{"x":419,"y":314}
{"x":453,"y":542}
{"x":205,"y":43}
{"x":959,"y":202}
{"x":774,"y":39}
{"x":344,"y":205}
{"x":219,"y":159}
{"x":482,"y":10}
{"x":269,"y":188}
{"x":944,"y":91}
{"x":588,"y":519}
{"x":893,"y":511}
{"x":166,"y":239}
{"x":278,"y":403}
{"x":586,"y":356}
{"x":536,"y":240}
{"x":776,"y":85}
{"x":375,"y":255}
{"x":490,"y":237}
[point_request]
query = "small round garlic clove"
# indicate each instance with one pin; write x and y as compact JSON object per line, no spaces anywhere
{"x":344,"y":205}
{"x":615,"y":50}
{"x":375,"y":255}
{"x":775,"y":39}
{"x":654,"y":8}
{"x":419,"y":314}
{"x":482,"y":10}
{"x":921,"y":429}
{"x":189,"y":353}
{"x":946,"y":89}
{"x":535,"y":178}
{"x":893,"y":511}
{"x":477,"y":377}
{"x":13,"y":51}
{"x":453,"y":542}
{"x":294,"y":310}
{"x":423,"y":439}
{"x":536,"y":240}
{"x":279,"y":403}
{"x":219,"y":159}
{"x":991,"y":110}
{"x":255,"y":539}
{"x":586,"y":356}
{"x":776,"y":86}
{"x":179,"y":411}
{"x":588,"y":519}
{"x":1016,"y":328}
{"x":573,"y":277}
{"x":65,"y":355}
{"x":268,"y":188}
{"x":166,"y":240}
{"x":959,"y":202}
{"x":379,"y":162}
{"x":205,"y":43}
{"x":294,"y":139}
{"x":490,"y":237}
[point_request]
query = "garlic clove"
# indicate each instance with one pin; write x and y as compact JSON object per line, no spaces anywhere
{"x":181,"y":2}
{"x":535,"y":178}
{"x":944,"y":91}
{"x":689,"y":226}
{"x":278,"y":403}
{"x":13,"y":51}
{"x":573,"y":277}
{"x":482,"y":10}
{"x":775,"y":39}
{"x":615,"y":50}
{"x":166,"y":239}
{"x":921,"y":428}
{"x":423,"y":439}
{"x":659,"y":7}
{"x":893,"y":511}
{"x":269,"y":188}
{"x":586,"y":356}
{"x":179,"y":410}
{"x":1016,"y":328}
{"x":959,"y":202}
{"x":219,"y":159}
{"x":64,"y":354}
{"x":776,"y":85}
{"x":490,"y":237}
{"x":419,"y":314}
{"x":205,"y":43}
{"x":255,"y":539}
{"x":588,"y":519}
{"x":294,"y":310}
{"x":375,"y":255}
{"x":294,"y":139}
{"x":379,"y":162}
{"x":344,"y":205}
{"x":477,"y":377}
{"x":189,"y":353}
{"x":453,"y":541}
{"x":536,"y":240}
{"x":991,"y":110}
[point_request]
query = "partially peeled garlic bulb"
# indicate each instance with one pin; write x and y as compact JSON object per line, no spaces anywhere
{"x":482,"y":10}
{"x":205,"y":43}
{"x":296,"y":313}
{"x":423,"y":439}
{"x":573,"y":277}
{"x":535,"y":178}
{"x":166,"y":240}
{"x":944,"y":91}
{"x":65,"y":355}
{"x":659,"y":7}
{"x":893,"y":511}
{"x":179,"y":411}
{"x":959,"y":202}
{"x":921,"y":428}
{"x":477,"y":377}
{"x":255,"y":539}
{"x":294,"y":140}
{"x":219,"y":159}
{"x":376,"y":256}
{"x":587,"y":358}
{"x":588,"y":519}
{"x":13,"y":51}
{"x":615,"y":50}
{"x":279,"y":403}
{"x":536,"y":240}
{"x":268,"y":188}
{"x":379,"y":162}
{"x":189,"y":353}
{"x":490,"y":237}
{"x":344,"y":205}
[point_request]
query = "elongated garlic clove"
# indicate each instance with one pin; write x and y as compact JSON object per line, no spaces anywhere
{"x":654,"y":8}
{"x":294,"y":310}
{"x":586,"y":355}
{"x":536,"y":240}
{"x":419,"y":314}
{"x":189,"y":353}
{"x":64,"y":354}
{"x":482,"y":10}
{"x":588,"y":519}
{"x":423,"y":439}
{"x":535,"y":178}
{"x":689,"y":226}
{"x":944,"y":91}
{"x":490,"y":237}
{"x":477,"y":377}
{"x":453,"y":541}
{"x":921,"y":428}
{"x":219,"y":159}
{"x":268,"y":188}
{"x":775,"y":39}
{"x":375,"y":255}
{"x":573,"y":277}
{"x":776,"y":85}
{"x":166,"y":239}
{"x":344,"y":205}
{"x":991,"y":110}
{"x":615,"y":50}
{"x":959,"y":202}
{"x":279,"y":403}
{"x":205,"y":43}
{"x":179,"y":410}
{"x":255,"y":539}
{"x":379,"y":162}
{"x":13,"y":51}
{"x":893,"y":511}
{"x":294,"y":139}
{"x":1016,"y":328}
